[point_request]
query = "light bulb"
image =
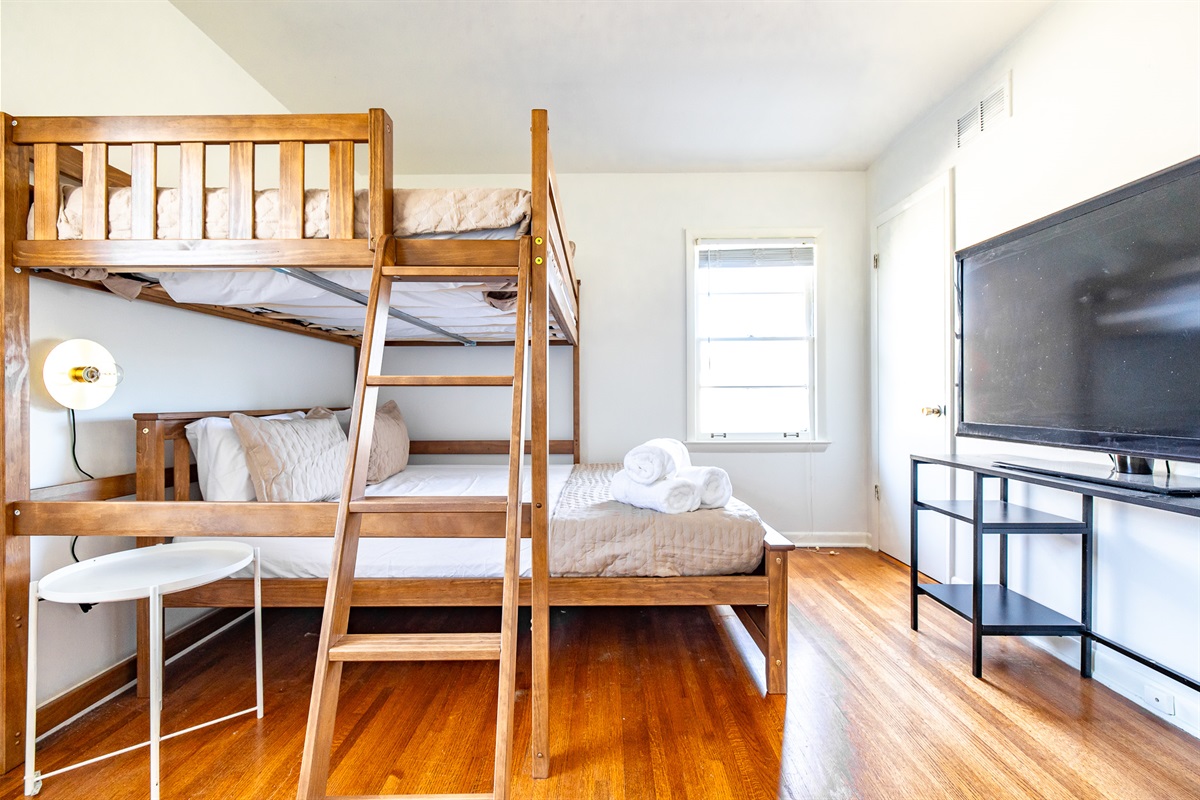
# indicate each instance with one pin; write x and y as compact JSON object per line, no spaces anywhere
{"x":81,"y":374}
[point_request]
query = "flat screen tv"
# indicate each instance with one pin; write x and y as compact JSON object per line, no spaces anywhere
{"x":1082,"y":329}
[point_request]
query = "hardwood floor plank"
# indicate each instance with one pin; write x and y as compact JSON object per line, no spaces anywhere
{"x":658,"y":704}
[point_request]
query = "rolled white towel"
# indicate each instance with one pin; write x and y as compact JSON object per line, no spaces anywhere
{"x":656,"y":459}
{"x":714,"y":483}
{"x":669,"y":495}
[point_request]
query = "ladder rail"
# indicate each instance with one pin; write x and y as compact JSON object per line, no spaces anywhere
{"x":512,"y":546}
{"x":335,"y":647}
{"x":318,"y":737}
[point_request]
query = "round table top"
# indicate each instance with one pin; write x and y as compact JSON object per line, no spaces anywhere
{"x":131,"y":574}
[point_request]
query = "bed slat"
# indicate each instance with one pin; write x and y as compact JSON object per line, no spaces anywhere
{"x":341,"y":190}
{"x":241,"y":190}
{"x":95,"y":191}
{"x":45,"y":198}
{"x":191,"y":190}
{"x":291,"y":190}
{"x":144,"y":199}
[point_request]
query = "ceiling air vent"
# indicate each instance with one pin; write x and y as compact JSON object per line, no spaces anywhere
{"x":994,"y":108}
{"x":969,"y":126}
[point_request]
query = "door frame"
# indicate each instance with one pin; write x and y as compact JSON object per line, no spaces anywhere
{"x":943,"y":184}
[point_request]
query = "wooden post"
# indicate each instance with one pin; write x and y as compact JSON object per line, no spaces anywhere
{"x":540,"y":517}
{"x":151,"y":485}
{"x":14,"y":430}
{"x":379,"y":145}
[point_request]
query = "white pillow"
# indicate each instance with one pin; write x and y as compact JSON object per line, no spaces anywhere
{"x":221,"y":459}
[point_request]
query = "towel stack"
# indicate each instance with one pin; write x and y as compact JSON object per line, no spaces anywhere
{"x":659,"y":475}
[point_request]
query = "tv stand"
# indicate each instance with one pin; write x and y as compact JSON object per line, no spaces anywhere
{"x":1179,"y":485}
{"x":996,"y":610}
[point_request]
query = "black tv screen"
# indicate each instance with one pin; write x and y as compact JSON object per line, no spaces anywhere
{"x":1083,"y":329}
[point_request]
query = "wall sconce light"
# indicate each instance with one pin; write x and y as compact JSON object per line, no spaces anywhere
{"x":80,"y":374}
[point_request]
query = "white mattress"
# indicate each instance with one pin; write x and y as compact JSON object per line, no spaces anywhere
{"x":590,"y":534}
{"x":461,"y":308}
{"x":307,"y":557}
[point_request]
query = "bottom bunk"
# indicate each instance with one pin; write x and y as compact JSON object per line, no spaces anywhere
{"x":602,"y":553}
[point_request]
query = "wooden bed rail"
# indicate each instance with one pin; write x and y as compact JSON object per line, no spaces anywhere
{"x":210,"y":129}
{"x":46,"y":136}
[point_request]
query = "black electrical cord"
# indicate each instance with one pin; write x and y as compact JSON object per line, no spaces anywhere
{"x":84,"y":607}
{"x":71,"y":416}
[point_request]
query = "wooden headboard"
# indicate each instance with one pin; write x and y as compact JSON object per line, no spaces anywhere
{"x":155,"y":429}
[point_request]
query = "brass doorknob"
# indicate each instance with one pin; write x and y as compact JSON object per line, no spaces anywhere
{"x":932,"y":411}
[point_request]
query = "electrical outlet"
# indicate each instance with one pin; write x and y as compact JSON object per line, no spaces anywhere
{"x":1161,"y":701}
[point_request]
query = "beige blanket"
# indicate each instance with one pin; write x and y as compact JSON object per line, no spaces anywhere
{"x":593,"y":534}
{"x":415,"y":212}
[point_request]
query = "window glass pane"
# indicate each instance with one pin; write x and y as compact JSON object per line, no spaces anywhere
{"x":718,"y":280}
{"x":770,"y":363}
{"x":743,"y":315}
{"x":753,"y":410}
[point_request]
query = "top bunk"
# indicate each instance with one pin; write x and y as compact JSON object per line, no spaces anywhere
{"x":174,"y":227}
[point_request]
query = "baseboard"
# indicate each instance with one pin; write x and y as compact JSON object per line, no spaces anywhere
{"x":73,"y":702}
{"x":829,"y":538}
{"x":1128,"y":679}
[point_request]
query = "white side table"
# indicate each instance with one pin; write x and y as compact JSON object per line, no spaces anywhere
{"x":141,"y":573}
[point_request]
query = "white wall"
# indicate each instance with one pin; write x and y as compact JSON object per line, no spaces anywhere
{"x":631,"y":260}
{"x":1103,"y":93}
{"x":154,"y":62}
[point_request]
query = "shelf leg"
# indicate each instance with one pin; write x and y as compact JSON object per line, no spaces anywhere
{"x":1004,"y":538}
{"x":912,"y":547}
{"x":1087,"y":576}
{"x":977,"y":582}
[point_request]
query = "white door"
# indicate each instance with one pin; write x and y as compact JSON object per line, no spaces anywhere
{"x":914,"y":386}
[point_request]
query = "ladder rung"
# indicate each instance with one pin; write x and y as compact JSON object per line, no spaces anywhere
{"x":439,"y":380}
{"x":482,"y":504}
{"x":484,"y":272}
{"x":417,"y":647}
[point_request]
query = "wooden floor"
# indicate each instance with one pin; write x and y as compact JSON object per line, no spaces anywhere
{"x":658,"y":703}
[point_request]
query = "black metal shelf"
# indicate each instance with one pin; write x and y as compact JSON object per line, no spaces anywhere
{"x":1005,"y":612}
{"x":1001,"y":611}
{"x":996,"y":610}
{"x":1003,"y":517}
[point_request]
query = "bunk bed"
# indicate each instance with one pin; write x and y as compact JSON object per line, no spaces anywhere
{"x":77,"y":149}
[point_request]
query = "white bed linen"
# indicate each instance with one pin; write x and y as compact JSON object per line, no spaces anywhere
{"x":307,"y":557}
{"x":590,"y":533}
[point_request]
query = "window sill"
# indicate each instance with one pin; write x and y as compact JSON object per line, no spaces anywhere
{"x":752,"y":446}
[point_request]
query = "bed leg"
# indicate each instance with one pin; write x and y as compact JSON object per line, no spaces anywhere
{"x":14,"y":439}
{"x":777,"y":621}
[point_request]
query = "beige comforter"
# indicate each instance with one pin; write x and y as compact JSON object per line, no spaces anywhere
{"x":415,"y":212}
{"x":593,"y":534}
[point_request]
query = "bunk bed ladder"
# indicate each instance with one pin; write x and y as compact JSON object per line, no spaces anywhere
{"x":335,"y":646}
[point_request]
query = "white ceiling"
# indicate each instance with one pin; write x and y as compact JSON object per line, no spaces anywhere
{"x":666,"y":86}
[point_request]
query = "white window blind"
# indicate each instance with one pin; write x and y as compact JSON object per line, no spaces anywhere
{"x":752,"y":339}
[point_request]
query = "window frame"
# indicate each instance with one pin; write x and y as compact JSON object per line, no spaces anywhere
{"x":748,"y":442}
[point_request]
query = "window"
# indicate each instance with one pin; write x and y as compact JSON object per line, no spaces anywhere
{"x":751,"y":325}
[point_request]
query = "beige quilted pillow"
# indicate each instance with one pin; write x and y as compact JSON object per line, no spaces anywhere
{"x":389,"y":445}
{"x":293,"y":460}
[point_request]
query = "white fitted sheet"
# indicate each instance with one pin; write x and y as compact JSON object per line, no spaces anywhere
{"x":308,"y":557}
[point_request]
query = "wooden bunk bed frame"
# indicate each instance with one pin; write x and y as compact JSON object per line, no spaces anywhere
{"x":49,"y":145}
